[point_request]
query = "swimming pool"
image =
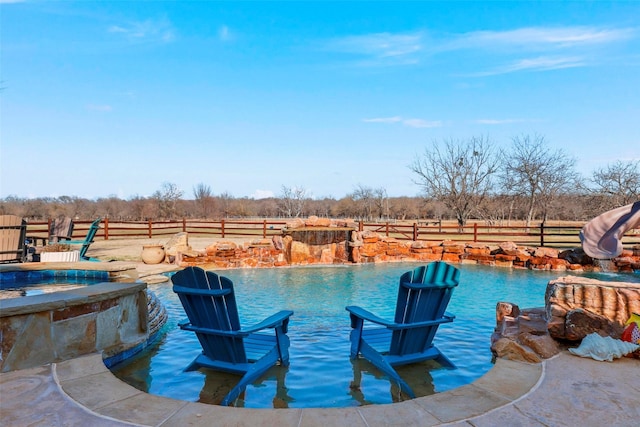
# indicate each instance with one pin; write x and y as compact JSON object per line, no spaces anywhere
{"x":321,"y":373}
{"x":36,"y":282}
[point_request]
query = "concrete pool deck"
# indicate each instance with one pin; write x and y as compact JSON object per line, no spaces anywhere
{"x":565,"y":390}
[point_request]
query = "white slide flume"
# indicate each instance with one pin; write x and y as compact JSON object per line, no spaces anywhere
{"x":601,"y":237}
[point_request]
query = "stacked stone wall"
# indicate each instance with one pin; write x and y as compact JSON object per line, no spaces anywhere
{"x":108,"y":318}
{"x":370,"y":247}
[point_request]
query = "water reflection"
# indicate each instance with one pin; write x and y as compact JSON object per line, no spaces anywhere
{"x":416,"y":375}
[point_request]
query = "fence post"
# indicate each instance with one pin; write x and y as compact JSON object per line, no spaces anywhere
{"x":184,"y":225}
{"x":360,"y":226}
{"x":106,"y":228}
{"x":150,"y":229}
{"x":222,"y":228}
{"x":264,"y":229}
{"x":415,"y":231}
{"x":387,"y":228}
{"x":542,"y":233}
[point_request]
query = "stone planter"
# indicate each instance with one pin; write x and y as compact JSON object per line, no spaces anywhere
{"x":152,"y":254}
{"x":69,"y":256}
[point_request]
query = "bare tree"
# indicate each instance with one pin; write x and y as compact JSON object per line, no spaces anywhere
{"x":167,"y":199}
{"x":404,"y":207}
{"x":292,"y":201}
{"x":364,"y":201}
{"x":619,"y":181}
{"x":533,"y":170}
{"x":267,"y":208}
{"x":225,"y":202}
{"x":459,"y":174}
{"x":381,"y":201}
{"x":204,"y":199}
{"x":140,"y":208}
{"x":345,"y":207}
{"x":108,"y":207}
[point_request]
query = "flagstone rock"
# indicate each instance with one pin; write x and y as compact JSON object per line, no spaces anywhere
{"x":543,"y":345}
{"x":511,"y":350}
{"x":178,"y":243}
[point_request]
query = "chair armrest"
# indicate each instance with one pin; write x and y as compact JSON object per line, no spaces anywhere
{"x":279,"y":319}
{"x":270,"y":322}
{"x":367,"y":315}
{"x":361,"y":313}
{"x":73,"y":242}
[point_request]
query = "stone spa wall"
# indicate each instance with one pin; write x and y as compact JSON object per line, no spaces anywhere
{"x":40,"y":329}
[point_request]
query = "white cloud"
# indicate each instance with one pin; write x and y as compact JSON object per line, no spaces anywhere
{"x":159,"y":30}
{"x":536,"y":38}
{"x":262,"y":194}
{"x":569,"y":44}
{"x":395,"y":119}
{"x":537,"y":64}
{"x":224,"y":33}
{"x":103,"y":108}
{"x":419,"y":123}
{"x":380,"y":44}
{"x":414,"y":123}
{"x":381,"y":49}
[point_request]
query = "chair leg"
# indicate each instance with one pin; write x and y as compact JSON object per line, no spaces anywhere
{"x":379,"y":361}
{"x":283,"y":343}
{"x":256,"y":370}
{"x":445,"y":361}
{"x":356,"y":336}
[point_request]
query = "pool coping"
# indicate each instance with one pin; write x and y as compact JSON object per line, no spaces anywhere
{"x":87,"y":382}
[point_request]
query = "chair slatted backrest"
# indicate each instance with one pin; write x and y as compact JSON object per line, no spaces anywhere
{"x":88,"y":240}
{"x":213,"y":308}
{"x":423,"y":295}
{"x":61,"y":229}
{"x":13,"y":231}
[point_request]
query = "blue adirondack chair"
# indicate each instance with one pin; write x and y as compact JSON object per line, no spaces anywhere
{"x":209,"y":301}
{"x":423,"y":296}
{"x":88,"y":240}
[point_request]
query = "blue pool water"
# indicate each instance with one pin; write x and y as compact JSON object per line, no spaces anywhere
{"x":321,"y":373}
{"x":36,"y":282}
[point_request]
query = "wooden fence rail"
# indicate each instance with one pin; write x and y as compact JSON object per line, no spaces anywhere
{"x":559,"y":236}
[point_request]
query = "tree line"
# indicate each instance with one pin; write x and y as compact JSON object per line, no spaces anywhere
{"x":459,"y":179}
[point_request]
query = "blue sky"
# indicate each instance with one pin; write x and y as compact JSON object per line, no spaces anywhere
{"x":116,"y":98}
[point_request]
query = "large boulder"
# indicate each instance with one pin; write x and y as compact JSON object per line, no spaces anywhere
{"x":178,"y":243}
{"x":512,"y":350}
{"x":576,"y":306}
{"x":579,"y":323}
